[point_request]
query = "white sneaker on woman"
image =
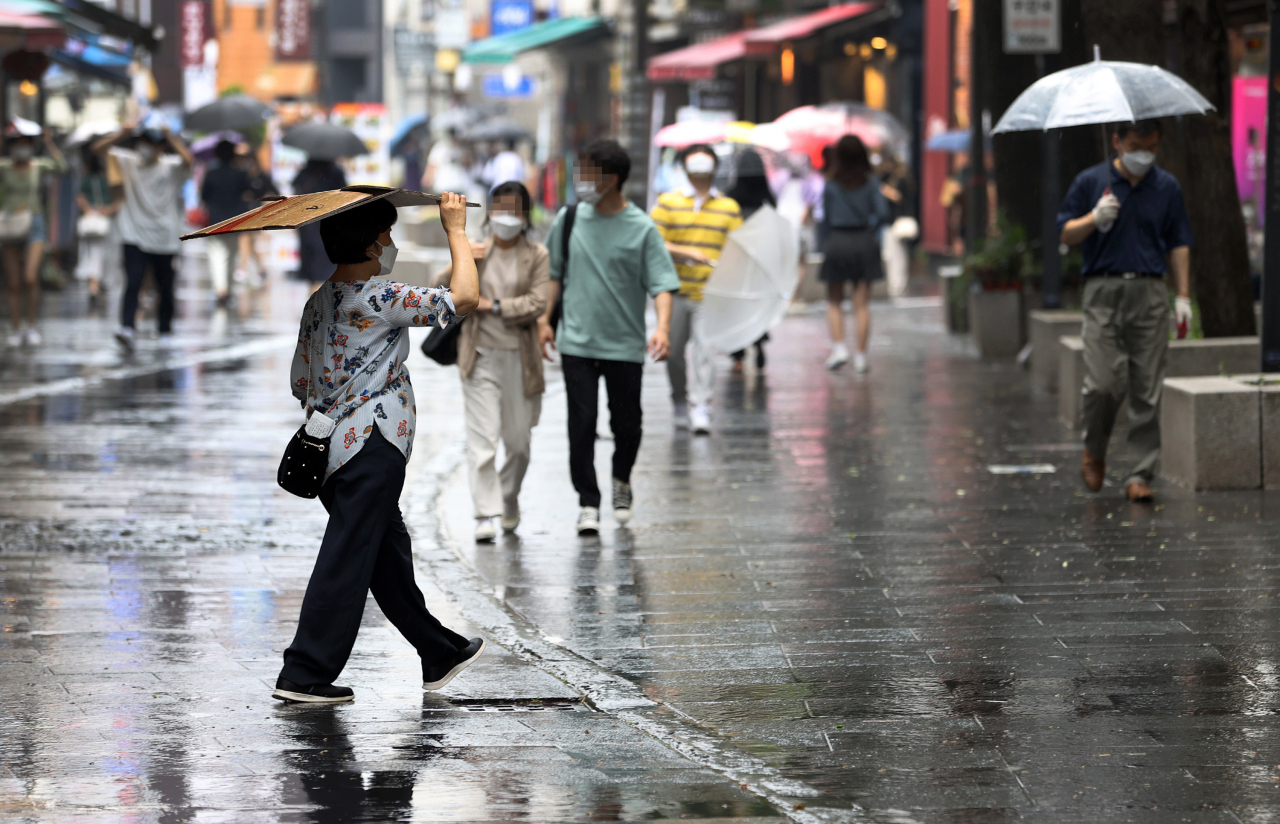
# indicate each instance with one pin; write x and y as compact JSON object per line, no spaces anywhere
{"x":486,"y":529}
{"x":839,"y":356}
{"x":589,"y":520}
{"x":860,"y":362}
{"x":16,"y":337}
{"x":32,"y":337}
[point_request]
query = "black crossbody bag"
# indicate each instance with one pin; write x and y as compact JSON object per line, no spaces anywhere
{"x":570,"y":214}
{"x":441,"y":344}
{"x":306,"y":458}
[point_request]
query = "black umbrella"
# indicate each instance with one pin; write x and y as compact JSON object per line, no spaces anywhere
{"x":324,"y":141}
{"x":235,"y":112}
{"x":498,"y":128}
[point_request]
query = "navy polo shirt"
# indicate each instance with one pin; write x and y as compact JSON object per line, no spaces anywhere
{"x":1152,"y":220}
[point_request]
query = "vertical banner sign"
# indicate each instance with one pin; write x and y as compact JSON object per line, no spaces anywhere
{"x":194,"y":18}
{"x":293,"y":30}
{"x":1032,"y":27}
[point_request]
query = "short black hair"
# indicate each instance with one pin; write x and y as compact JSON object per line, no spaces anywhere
{"x":225,"y":151}
{"x":699,"y":148}
{"x":609,"y":157}
{"x":347,"y":235}
{"x":1144,"y":128}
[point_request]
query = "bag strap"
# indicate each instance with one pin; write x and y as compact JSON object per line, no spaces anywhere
{"x":570,"y":215}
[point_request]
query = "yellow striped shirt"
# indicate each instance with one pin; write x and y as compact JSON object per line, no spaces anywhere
{"x":705,"y":229}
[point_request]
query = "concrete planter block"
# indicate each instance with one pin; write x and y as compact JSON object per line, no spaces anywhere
{"x":1268,"y":387}
{"x":1046,"y":327}
{"x":995,"y":322}
{"x":1070,"y":379}
{"x":1211,"y":433}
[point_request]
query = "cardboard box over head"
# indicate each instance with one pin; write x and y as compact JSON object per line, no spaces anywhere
{"x":301,"y":210}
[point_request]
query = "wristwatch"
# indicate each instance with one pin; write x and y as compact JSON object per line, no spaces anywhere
{"x":497,"y":306}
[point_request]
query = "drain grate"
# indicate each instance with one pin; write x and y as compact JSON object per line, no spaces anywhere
{"x":521,"y":705}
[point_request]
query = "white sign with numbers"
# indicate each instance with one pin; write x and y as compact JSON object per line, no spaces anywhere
{"x":1032,"y":27}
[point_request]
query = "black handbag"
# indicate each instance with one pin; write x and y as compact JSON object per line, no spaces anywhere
{"x":306,"y":458}
{"x":570,"y":215}
{"x":441,"y":343}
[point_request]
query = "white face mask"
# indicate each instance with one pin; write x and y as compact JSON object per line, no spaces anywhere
{"x":506,"y":226}
{"x":22,"y":153}
{"x":388,"y":259}
{"x":147,"y":152}
{"x":700,"y":164}
{"x":1138,"y":162}
{"x":586,"y":192}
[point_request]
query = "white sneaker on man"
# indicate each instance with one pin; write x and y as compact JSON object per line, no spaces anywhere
{"x":32,"y":337}
{"x":589,"y":520}
{"x":486,"y":529}
{"x":165,"y":341}
{"x":125,"y":336}
{"x":700,"y":419}
{"x":16,"y":337}
{"x":839,"y":356}
{"x":860,"y":363}
{"x":621,"y":502}
{"x":680,"y":416}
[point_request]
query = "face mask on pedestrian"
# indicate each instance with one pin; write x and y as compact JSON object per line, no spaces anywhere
{"x":22,"y":153}
{"x":585,"y":190}
{"x":506,"y":226}
{"x":148,"y":152}
{"x":1138,"y":163}
{"x":700,"y":164}
{"x":388,"y":258}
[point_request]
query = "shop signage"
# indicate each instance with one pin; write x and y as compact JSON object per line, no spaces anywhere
{"x":504,"y":85}
{"x":453,"y":28}
{"x":1032,"y":26}
{"x":414,"y":49}
{"x":293,"y":30}
{"x":509,"y":15}
{"x":195,"y":15}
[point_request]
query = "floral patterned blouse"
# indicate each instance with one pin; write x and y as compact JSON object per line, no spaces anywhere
{"x":350,"y":359}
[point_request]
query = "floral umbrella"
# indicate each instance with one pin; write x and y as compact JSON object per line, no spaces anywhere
{"x":810,"y":128}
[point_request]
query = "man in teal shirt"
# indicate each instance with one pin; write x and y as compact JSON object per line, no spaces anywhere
{"x":617,"y":260}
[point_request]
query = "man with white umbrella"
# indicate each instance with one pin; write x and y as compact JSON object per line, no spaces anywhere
{"x":1129,"y":216}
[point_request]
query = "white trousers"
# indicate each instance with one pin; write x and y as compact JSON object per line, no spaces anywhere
{"x":689,"y":386}
{"x":893,"y":252}
{"x":496,"y":407}
{"x":224,"y":254}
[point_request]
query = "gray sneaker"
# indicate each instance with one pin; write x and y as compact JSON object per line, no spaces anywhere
{"x":589,"y":520}
{"x":621,"y":501}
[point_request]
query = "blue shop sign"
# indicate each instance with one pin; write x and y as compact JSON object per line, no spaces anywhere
{"x":496,"y":85}
{"x":506,"y":16}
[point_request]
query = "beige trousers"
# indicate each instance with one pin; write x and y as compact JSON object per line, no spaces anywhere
{"x":496,"y":408}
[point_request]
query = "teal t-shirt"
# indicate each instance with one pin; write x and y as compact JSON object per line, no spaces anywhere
{"x":616,"y":263}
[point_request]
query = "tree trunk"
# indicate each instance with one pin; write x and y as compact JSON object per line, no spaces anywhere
{"x":1220,"y":257}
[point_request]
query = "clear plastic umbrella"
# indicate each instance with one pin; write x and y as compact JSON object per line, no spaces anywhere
{"x":1103,"y":91}
{"x":751,"y":287}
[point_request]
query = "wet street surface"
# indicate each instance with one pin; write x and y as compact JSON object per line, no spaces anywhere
{"x":831,"y":609}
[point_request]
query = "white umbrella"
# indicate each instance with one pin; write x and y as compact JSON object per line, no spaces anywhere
{"x":92,"y":129}
{"x":751,"y":287}
{"x":1103,"y":91}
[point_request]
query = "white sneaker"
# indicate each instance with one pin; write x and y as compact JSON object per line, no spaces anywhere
{"x":860,"y":362}
{"x":486,"y":529}
{"x":700,"y":420}
{"x":125,"y":336}
{"x":16,"y":337}
{"x":510,"y":519}
{"x":839,"y":356}
{"x":165,"y":341}
{"x":32,"y":337}
{"x":589,"y":520}
{"x":681,"y":416}
{"x":621,"y":502}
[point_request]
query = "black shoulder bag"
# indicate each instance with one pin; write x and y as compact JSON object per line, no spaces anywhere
{"x":441,"y":344}
{"x":306,"y":458}
{"x":570,"y":214}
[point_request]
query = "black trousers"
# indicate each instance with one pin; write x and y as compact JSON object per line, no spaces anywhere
{"x":136,"y":262}
{"x":365,"y":548}
{"x":582,"y":387}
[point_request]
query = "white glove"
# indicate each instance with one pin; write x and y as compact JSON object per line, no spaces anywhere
{"x":1182,"y":316}
{"x":1105,"y":212}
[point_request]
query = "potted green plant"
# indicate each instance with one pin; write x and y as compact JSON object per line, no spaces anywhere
{"x":996,"y":272}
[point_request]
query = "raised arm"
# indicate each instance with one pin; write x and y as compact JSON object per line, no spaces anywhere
{"x":464,"y":283}
{"x":55,"y":154}
{"x":102,"y":144}
{"x":188,"y":159}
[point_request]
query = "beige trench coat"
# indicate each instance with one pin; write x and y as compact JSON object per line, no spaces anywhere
{"x":520,"y":310}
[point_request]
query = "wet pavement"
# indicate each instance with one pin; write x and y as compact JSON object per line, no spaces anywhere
{"x":831,"y":609}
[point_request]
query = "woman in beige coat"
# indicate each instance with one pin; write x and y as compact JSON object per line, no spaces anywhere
{"x":499,"y":360}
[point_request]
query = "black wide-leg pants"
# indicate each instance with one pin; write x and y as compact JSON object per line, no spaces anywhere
{"x":365,"y":548}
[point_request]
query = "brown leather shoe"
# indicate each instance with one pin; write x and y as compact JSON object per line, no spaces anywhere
{"x":1140,"y":493}
{"x":1093,"y":471}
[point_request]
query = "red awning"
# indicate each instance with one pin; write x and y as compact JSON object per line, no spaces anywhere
{"x":699,"y":61}
{"x":767,"y":39}
{"x":29,"y":31}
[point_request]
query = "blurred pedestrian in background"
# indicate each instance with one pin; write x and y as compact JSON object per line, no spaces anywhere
{"x":151,"y":220}
{"x":854,"y":209}
{"x":751,"y":191}
{"x":23,"y":230}
{"x":316,"y":176}
{"x":499,"y":361}
{"x":226,"y":192}
{"x":902,"y":228}
{"x":609,"y":258}
{"x":96,"y":230}
{"x":695,"y":221}
{"x":262,"y":185}
{"x":506,"y":165}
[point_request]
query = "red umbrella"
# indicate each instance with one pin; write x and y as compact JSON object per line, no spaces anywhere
{"x":689,"y":132}
{"x":810,"y":128}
